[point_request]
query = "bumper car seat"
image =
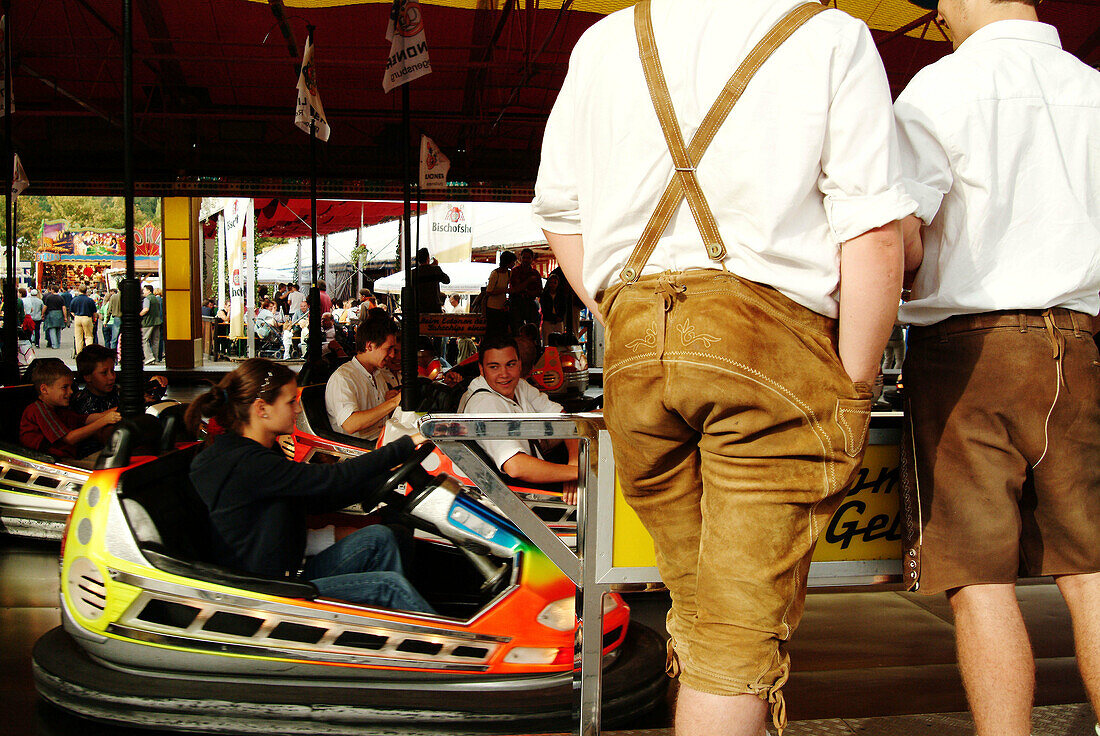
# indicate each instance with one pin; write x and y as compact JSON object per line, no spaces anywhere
{"x":313,"y":406}
{"x":173,"y":529}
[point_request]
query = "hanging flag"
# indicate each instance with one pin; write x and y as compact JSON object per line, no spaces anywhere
{"x":433,"y":165}
{"x":235,"y":218}
{"x":309,"y":102}
{"x":408,"y":58}
{"x":19,"y":180}
{"x":451,"y":231}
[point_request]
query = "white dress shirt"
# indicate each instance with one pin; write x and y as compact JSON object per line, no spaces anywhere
{"x":294,"y":301}
{"x":353,"y":388}
{"x":1001,"y":149}
{"x":386,"y":379}
{"x":806,"y":160}
{"x":528,"y":400}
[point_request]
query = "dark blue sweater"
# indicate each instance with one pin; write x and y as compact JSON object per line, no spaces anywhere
{"x":258,"y":499}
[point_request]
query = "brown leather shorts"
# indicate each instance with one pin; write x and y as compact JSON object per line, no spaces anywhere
{"x":735,"y":431}
{"x":1004,"y":416}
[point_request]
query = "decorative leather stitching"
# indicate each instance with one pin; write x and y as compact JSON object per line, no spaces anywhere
{"x":854,"y":424}
{"x":649,"y":341}
{"x":689,"y":338}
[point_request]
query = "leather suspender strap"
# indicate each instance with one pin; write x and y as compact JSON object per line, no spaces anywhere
{"x":684,"y":182}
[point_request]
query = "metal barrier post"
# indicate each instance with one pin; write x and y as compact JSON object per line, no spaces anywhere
{"x":451,"y":433}
{"x":591,"y":595}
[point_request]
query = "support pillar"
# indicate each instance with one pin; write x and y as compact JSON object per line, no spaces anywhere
{"x":181,"y":255}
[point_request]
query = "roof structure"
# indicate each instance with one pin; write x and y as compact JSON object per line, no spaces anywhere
{"x":215,"y":88}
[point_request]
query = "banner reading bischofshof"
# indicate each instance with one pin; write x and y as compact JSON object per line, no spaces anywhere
{"x":433,"y":165}
{"x":235,"y":215}
{"x":309,"y":100}
{"x":408,"y":59}
{"x":450,"y":231}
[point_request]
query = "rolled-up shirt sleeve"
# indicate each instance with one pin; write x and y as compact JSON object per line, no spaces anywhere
{"x":340,"y":401}
{"x":860,"y":162}
{"x":556,"y":206}
{"x":925,"y":165}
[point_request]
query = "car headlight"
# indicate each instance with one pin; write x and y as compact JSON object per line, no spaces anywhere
{"x":561,"y":614}
{"x":531,"y":655}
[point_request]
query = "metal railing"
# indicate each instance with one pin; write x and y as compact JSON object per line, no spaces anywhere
{"x":452,"y":433}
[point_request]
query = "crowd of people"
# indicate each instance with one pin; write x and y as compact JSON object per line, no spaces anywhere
{"x":516,"y":295}
{"x":93,"y":312}
{"x":743,"y":342}
{"x":281,"y":321}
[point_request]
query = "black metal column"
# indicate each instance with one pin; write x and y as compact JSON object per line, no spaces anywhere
{"x":10,"y":358}
{"x":410,"y":323}
{"x":131,"y":380}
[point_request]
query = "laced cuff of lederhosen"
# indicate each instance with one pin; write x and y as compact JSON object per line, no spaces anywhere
{"x":774,"y":696}
{"x":672,"y":662}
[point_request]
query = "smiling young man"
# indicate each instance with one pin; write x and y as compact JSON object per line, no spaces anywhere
{"x":501,"y":390}
{"x":356,"y":403}
{"x":999,"y":145}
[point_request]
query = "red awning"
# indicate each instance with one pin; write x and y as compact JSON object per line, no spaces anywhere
{"x":289,"y":218}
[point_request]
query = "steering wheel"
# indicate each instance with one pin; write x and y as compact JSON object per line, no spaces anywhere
{"x":405,"y":473}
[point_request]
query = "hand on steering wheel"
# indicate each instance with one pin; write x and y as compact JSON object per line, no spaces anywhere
{"x":405,"y":473}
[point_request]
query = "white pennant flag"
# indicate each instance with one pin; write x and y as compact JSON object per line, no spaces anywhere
{"x":309,"y":102}
{"x":433,"y":165}
{"x":408,"y":59}
{"x":19,"y":180}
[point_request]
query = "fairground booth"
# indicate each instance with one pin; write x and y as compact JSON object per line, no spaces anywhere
{"x":70,"y":256}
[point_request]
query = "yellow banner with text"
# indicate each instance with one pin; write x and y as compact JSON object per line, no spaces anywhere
{"x":867,"y":526}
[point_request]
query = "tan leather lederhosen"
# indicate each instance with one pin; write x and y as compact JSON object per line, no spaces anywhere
{"x":684,"y":183}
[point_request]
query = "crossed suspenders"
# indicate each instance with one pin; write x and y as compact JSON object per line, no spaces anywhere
{"x":684,"y":183}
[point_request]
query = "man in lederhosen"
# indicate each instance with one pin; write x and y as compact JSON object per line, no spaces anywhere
{"x":746,"y":325}
{"x":1001,"y":150}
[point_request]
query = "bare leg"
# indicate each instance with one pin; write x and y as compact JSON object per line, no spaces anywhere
{"x":1082,"y":594}
{"x":705,"y":714}
{"x":998,"y":667}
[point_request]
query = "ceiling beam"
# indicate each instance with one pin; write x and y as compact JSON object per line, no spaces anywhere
{"x":169,"y":71}
{"x":215,"y":115}
{"x":1091,"y":43}
{"x":482,"y":45}
{"x":897,"y":33}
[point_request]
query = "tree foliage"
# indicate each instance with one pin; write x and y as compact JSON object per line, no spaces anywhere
{"x":98,"y":212}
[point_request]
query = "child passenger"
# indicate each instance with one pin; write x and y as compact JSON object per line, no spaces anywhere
{"x":95,"y":365}
{"x":49,"y":425}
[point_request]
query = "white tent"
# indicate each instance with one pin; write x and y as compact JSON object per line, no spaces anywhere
{"x":466,"y":278}
{"x":495,"y":224}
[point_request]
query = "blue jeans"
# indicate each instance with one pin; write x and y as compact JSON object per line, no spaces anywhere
{"x":55,"y":332}
{"x":111,"y":328}
{"x":365,"y":567}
